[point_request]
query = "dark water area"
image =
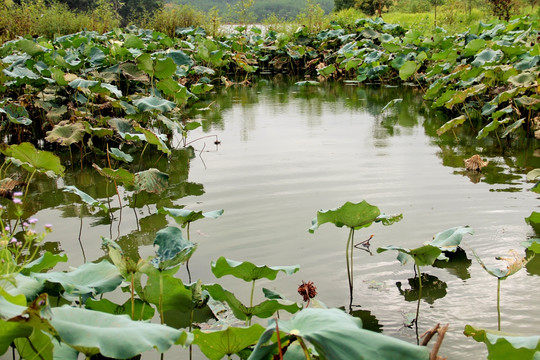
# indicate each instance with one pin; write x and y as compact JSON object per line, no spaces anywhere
{"x":287,"y":151}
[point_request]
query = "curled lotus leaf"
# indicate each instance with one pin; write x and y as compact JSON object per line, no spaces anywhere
{"x":90,"y":201}
{"x":524,"y":79}
{"x":185,"y":216}
{"x":391,"y":104}
{"x":120,"y":175}
{"x":514,"y":263}
{"x":449,"y":239}
{"x":503,"y":346}
{"x":173,"y":248}
{"x":31,"y":159}
{"x":422,"y":256}
{"x":66,"y":133}
{"x":120,"y":155}
{"x":451,"y":124}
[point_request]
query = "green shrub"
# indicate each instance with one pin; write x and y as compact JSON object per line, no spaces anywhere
{"x":171,"y":17}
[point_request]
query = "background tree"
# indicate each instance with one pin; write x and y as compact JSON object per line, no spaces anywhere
{"x":343,"y":4}
{"x":502,"y":8}
{"x":436,"y":3}
{"x":132,"y":9}
{"x":372,"y":7}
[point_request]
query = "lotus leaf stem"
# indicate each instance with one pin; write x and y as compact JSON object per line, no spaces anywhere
{"x":349,"y":259}
{"x":187,"y":261}
{"x":161,"y":297}
{"x":133,"y":296}
{"x":417,"y":268}
{"x":304,"y":347}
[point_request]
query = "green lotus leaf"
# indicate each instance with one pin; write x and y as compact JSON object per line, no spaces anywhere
{"x":349,"y":214}
{"x":201,"y":88}
{"x":120,"y":175}
{"x":107,"y":306}
{"x":145,"y":63}
{"x":11,"y":331}
{"x":487,"y":56}
{"x":99,"y":132}
{"x":492,"y":126}
{"x":36,"y":315}
{"x":339,"y":336}
{"x":173,"y":248}
{"x":524,"y":79}
{"x":473,"y":47}
{"x":516,"y":125}
{"x":497,"y":114}
{"x":502,"y":346}
{"x":327,"y":70}
{"x":527,"y":101}
{"x":125,"y":129}
{"x":108,"y":88}
{"x":154,"y":139}
{"x":174,"y":295}
{"x":422,"y":256}
{"x":527,"y":62}
{"x":22,"y":285}
{"x":133,"y":73}
{"x":86,"y":198}
{"x":44,"y":262}
{"x":407,"y":70}
{"x":534,"y":221}
{"x":115,"y":336}
{"x":533,"y":175}
{"x":21,"y":72}
{"x":449,"y":239}
{"x":66,"y":133}
{"x":532,"y":245}
{"x":133,"y":42}
{"x":30,"y":159}
{"x":151,"y":180}
{"x":87,"y":280}
{"x":36,"y":346}
{"x":164,"y":68}
{"x":180,"y":58}
{"x":17,"y":114}
{"x":184,"y":216}
{"x":451,"y":124}
{"x":154,"y":103}
{"x":263,"y":310}
{"x":217,"y":344}
{"x":119,"y":155}
{"x":390,"y":104}
{"x":82,"y":83}
{"x":30,"y":47}
{"x":248,"y":271}
{"x":63,"y":351}
{"x":388,"y":220}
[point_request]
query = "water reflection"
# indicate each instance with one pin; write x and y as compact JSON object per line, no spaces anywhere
{"x":458,"y":264}
{"x":369,"y":321}
{"x":432,"y":289}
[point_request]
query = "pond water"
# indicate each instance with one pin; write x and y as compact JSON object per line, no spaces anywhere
{"x":287,"y":152}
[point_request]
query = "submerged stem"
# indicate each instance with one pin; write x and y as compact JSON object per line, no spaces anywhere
{"x":499,"y":303}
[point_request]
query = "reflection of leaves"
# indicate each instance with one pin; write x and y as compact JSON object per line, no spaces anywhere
{"x":457,"y":264}
{"x":432,"y":289}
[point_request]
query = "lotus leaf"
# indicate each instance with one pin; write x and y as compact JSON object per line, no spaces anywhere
{"x":514,"y":263}
{"x":492,"y":126}
{"x":174,"y":294}
{"x":116,"y":336}
{"x":390,"y":104}
{"x":173,"y":248}
{"x":524,"y":79}
{"x":36,"y":346}
{"x":134,"y":42}
{"x":87,"y":280}
{"x":487,"y":56}
{"x":407,"y":70}
{"x":339,"y":336}
{"x":16,"y":114}
{"x":502,"y":346}
{"x":449,"y":239}
{"x":516,"y":125}
{"x":528,"y":102}
{"x":151,"y":180}
{"x":307,"y":83}
{"x":120,"y":155}
{"x":154,"y":103}
{"x":248,"y":271}
{"x":86,"y":198}
{"x":534,"y":221}
{"x":327,"y":70}
{"x":184,"y":216}
{"x":164,"y":68}
{"x":263,"y":310}
{"x":21,"y":284}
{"x":44,"y":262}
{"x":352,"y":215}
{"x":120,"y":175}
{"x":154,"y":139}
{"x":66,"y":133}
{"x":201,"y":88}
{"x":451,"y":124}
{"x":11,"y":331}
{"x":422,"y":256}
{"x":30,"y":47}
{"x":30,"y":159}
{"x":217,"y":344}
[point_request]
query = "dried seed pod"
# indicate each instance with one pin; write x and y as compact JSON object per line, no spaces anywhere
{"x":307,"y":290}
{"x":475,"y":163}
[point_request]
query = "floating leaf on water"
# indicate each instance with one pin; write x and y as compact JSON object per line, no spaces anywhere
{"x":307,"y":83}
